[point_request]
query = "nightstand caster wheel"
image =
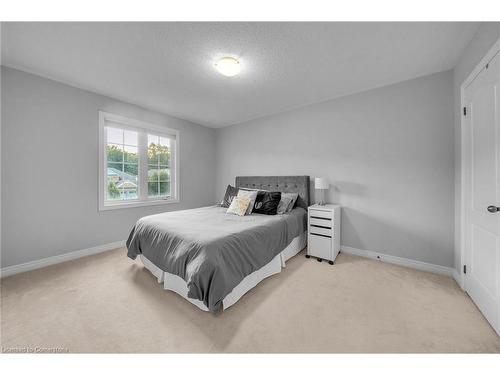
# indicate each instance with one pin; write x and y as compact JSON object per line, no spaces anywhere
{"x":308,"y":256}
{"x":319,"y":260}
{"x":330,"y":262}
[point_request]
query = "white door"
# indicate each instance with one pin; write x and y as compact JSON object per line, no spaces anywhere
{"x":482,"y":191}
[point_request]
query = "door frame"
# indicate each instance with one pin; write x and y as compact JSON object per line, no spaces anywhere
{"x":492,"y":52}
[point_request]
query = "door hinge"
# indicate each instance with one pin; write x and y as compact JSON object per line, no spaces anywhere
{"x":465,"y":111}
{"x":465,"y":268}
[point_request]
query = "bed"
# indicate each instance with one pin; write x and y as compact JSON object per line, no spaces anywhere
{"x":212,"y":258}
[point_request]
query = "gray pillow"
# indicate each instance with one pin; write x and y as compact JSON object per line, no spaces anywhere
{"x":231,"y":192}
{"x":283,"y":205}
{"x":293,"y":197}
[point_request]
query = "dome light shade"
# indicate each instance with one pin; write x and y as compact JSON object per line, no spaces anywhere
{"x":228,"y":66}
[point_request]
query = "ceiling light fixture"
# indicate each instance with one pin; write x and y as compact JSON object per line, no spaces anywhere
{"x":228,"y":66}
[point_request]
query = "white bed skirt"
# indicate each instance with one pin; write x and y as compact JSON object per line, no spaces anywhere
{"x":178,"y":285}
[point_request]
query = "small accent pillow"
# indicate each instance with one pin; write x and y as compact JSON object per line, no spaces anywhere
{"x":293,"y":196}
{"x":239,"y":206}
{"x":283,"y":205}
{"x":267,"y":202}
{"x":252,"y":194}
{"x":231,"y":192}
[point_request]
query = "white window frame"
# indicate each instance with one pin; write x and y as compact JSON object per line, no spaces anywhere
{"x":143,"y":128}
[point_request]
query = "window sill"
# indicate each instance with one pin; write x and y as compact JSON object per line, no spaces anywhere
{"x":117,"y":206}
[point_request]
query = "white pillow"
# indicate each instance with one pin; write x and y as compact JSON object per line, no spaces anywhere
{"x":238,"y":206}
{"x":252,"y":194}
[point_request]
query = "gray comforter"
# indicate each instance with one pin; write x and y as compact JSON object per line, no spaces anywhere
{"x":211,"y":250}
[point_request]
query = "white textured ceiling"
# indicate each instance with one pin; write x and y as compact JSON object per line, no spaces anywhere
{"x":169,"y":66}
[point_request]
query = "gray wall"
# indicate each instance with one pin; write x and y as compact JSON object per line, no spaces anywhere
{"x":388,"y":152}
{"x":486,"y":36}
{"x":50,"y":168}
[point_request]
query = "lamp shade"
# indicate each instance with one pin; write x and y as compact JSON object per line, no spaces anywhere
{"x":321,"y":183}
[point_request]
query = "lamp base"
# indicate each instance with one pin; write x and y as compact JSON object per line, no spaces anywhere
{"x":321,"y":200}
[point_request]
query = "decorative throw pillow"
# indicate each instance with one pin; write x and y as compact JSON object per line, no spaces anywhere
{"x":239,"y":206}
{"x":283,"y":205}
{"x":252,"y":194}
{"x":293,"y":196}
{"x":267,"y":202}
{"x":231,"y":192}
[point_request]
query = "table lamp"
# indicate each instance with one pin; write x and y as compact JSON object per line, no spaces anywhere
{"x":321,"y":184}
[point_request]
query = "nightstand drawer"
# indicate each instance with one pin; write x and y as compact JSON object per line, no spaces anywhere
{"x":320,"y":246}
{"x":320,"y":222}
{"x":320,"y":230}
{"x":318,"y":213}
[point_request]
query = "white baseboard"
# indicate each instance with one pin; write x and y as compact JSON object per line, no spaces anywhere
{"x":40,"y":263}
{"x":422,"y":266}
{"x":458,"y":278}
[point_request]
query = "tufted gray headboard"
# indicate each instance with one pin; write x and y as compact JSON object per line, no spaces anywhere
{"x":285,"y":184}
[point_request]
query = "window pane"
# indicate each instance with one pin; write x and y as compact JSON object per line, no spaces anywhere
{"x":114,"y":135}
{"x":129,"y":189}
{"x":130,"y":154}
{"x":164,"y":155}
{"x":130,"y":138}
{"x":153,"y":173}
{"x":114,"y":178}
{"x":113,"y":192}
{"x":152,"y":149}
{"x":152,"y":139}
{"x":152,"y":189}
{"x":165,"y":188}
{"x":114,"y":153}
{"x":130,"y":172}
{"x":122,"y":181}
{"x":164,"y":175}
{"x":115,"y":169}
{"x":164,"y":142}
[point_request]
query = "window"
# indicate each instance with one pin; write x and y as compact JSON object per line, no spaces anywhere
{"x":138,"y":163}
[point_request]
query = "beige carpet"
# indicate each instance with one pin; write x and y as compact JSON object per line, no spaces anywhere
{"x":108,"y":303}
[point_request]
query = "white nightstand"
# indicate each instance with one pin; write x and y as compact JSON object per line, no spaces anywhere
{"x":323,"y":232}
